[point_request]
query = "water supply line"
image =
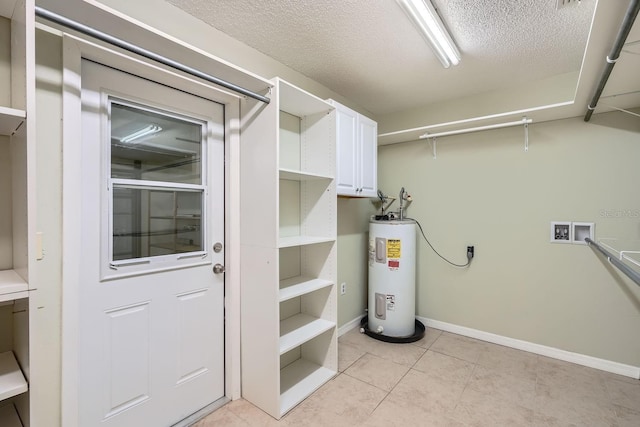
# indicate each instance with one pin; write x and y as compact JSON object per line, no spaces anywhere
{"x":404,"y":196}
{"x":623,"y":33}
{"x":385,"y":201}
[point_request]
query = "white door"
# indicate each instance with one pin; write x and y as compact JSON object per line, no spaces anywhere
{"x":151,"y":308}
{"x":347,"y":146}
{"x":368,"y":142}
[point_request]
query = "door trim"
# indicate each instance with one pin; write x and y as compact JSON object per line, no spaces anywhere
{"x":74,"y":50}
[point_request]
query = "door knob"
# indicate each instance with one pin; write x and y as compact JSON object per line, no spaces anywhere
{"x":218,"y":268}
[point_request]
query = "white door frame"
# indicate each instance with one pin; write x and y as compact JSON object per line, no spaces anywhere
{"x":74,"y":49}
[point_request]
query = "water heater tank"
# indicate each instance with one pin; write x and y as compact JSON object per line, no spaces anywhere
{"x":392,"y":277}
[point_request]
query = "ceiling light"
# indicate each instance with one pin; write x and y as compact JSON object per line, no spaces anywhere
{"x":430,"y":25}
{"x":149,"y":130}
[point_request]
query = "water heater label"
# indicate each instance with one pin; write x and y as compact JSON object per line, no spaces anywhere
{"x":391,"y":302}
{"x":394,"y":264}
{"x":393,"y":248}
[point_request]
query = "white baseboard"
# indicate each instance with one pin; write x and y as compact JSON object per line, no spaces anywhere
{"x":355,"y":323}
{"x":555,"y":353}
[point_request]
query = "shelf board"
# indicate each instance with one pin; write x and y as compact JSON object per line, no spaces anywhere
{"x":626,"y":250}
{"x":632,"y":257}
{"x":295,"y":175}
{"x":9,"y":416}
{"x":297,"y":286}
{"x":298,"y":329}
{"x":288,"y":242}
{"x":298,"y":102}
{"x":12,"y":382}
{"x":10,"y":120}
{"x":299,"y":380}
{"x":12,"y":286}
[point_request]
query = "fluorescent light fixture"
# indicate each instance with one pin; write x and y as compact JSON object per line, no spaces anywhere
{"x":148,"y":130}
{"x":428,"y":22}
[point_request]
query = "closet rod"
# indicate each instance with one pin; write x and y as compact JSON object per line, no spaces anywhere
{"x":614,"y":54}
{"x":86,"y":30}
{"x":631,"y":274}
{"x":524,"y":121}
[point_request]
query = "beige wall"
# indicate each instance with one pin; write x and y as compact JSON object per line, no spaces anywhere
{"x":484,"y":190}
{"x":353,"y":229}
{"x":556,"y":89}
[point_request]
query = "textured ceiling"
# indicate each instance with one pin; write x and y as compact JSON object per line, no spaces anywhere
{"x":369,"y":52}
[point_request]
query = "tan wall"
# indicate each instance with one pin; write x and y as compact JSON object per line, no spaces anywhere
{"x":484,"y":190}
{"x":353,"y":229}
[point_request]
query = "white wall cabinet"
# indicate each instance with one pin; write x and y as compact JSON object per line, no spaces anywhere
{"x":288,"y":248}
{"x":17,"y":87}
{"x":357,"y":153}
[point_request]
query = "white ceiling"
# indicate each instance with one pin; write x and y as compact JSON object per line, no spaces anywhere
{"x":369,"y":52}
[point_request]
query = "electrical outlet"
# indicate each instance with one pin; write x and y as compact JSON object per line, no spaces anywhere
{"x":470,"y":252}
{"x":343,"y":288}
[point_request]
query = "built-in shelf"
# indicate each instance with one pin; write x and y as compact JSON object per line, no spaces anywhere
{"x":299,"y":380}
{"x":298,"y":329}
{"x":288,"y":242}
{"x":632,"y":257}
{"x":12,"y":382}
{"x":625,"y":250}
{"x":298,"y":102}
{"x":10,"y":120}
{"x":12,"y":286}
{"x":289,"y":229}
{"x":293,"y":175}
{"x":297,"y":286}
{"x":9,"y":416}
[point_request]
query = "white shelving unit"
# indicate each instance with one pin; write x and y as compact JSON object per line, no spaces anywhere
{"x":10,"y":120}
{"x":17,"y":91}
{"x":13,"y":382}
{"x":289,"y":264}
{"x":12,"y":286}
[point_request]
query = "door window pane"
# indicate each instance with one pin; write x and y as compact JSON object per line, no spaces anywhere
{"x":151,"y":145}
{"x":155,"y":222}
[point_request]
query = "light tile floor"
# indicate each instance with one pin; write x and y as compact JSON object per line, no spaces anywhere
{"x":449,"y":380}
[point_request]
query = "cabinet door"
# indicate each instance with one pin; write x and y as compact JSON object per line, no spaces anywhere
{"x":368,"y":158}
{"x":347,"y":150}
